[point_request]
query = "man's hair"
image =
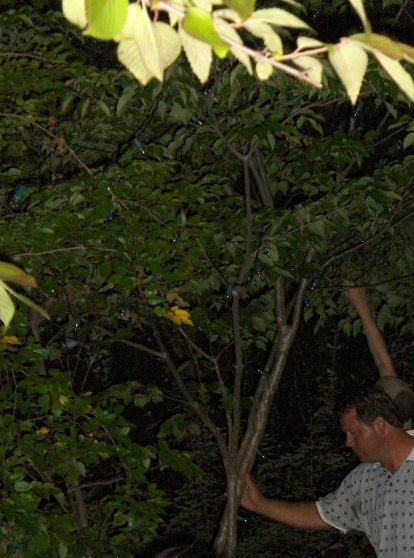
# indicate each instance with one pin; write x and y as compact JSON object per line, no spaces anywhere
{"x":369,"y":404}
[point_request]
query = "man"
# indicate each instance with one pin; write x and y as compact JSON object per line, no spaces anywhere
{"x":396,"y":388}
{"x":377,"y":497}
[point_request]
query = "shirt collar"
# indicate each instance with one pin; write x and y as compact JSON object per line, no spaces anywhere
{"x":410,"y":456}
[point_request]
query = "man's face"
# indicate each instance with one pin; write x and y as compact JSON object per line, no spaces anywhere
{"x":365,"y":441}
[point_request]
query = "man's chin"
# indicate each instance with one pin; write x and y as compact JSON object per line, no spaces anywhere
{"x":365,"y":459}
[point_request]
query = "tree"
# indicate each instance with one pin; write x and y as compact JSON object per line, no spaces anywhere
{"x":198,"y":243}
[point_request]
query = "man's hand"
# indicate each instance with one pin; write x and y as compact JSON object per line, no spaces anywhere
{"x":252,"y":499}
{"x":356,"y":295}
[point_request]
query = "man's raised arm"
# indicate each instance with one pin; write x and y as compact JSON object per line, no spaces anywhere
{"x":358,"y":298}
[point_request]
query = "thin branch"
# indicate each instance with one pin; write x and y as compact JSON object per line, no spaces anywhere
{"x":280,"y":302}
{"x":134,"y":345}
{"x":26,"y":55}
{"x":249,"y":222}
{"x":55,"y":250}
{"x":368,"y":241}
{"x":400,"y":12}
{"x":94,"y":483}
{"x":239,"y":365}
{"x":218,"y":131}
{"x":297,"y":312}
{"x":260,"y":177}
{"x":50,"y":134}
{"x":365,"y":285}
{"x":193,"y":403}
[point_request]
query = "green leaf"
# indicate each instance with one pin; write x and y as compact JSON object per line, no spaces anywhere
{"x":278,"y":17}
{"x":199,"y":24}
{"x":181,"y":219}
{"x":360,"y":10}
{"x":75,"y":12}
{"x":104,"y":108}
{"x":22,"y":486}
{"x":243,"y":7}
{"x":10,"y":272}
{"x":198,"y":53}
{"x":350,"y":63}
{"x":124,"y":99}
{"x":62,"y":550}
{"x":6,"y":306}
{"x":397,"y":73}
{"x":409,"y":140}
{"x":106,"y":18}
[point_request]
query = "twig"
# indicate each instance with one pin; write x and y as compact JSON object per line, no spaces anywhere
{"x":134,"y":345}
{"x":50,"y":134}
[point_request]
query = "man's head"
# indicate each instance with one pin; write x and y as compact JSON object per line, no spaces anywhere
{"x":370,"y":404}
{"x":367,"y":417}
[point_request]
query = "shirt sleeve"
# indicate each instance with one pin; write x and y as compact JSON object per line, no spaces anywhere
{"x":342,"y":508}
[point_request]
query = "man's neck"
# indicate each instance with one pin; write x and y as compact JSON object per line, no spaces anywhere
{"x":398,"y":448}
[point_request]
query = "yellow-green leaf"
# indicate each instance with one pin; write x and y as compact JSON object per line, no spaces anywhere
{"x":408,"y":52}
{"x":147,"y":44}
{"x":179,"y":6}
{"x":308,"y":42}
{"x":265,"y":32}
{"x":397,"y":73}
{"x":360,"y":10}
{"x":384,"y":44}
{"x":198,"y":53}
{"x":130,"y":56}
{"x":106,"y":18}
{"x":6,"y":306}
{"x":312,"y":67}
{"x":350,"y":63}
{"x":264,"y":70}
{"x":279,"y":17}
{"x":27,"y":301}
{"x":169,"y":43}
{"x":199,"y":24}
{"x":10,"y":272}
{"x":229,"y":32}
{"x":243,"y":7}
{"x":75,"y":12}
{"x":129,"y":29}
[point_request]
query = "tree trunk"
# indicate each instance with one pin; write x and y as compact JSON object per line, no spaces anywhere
{"x":226,"y":539}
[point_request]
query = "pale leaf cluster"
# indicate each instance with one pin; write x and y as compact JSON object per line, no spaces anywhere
{"x":148,"y":46}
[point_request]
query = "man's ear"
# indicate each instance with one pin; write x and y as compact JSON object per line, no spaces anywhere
{"x":380,"y":424}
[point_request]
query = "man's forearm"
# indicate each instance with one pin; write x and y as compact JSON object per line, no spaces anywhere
{"x":303,"y":515}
